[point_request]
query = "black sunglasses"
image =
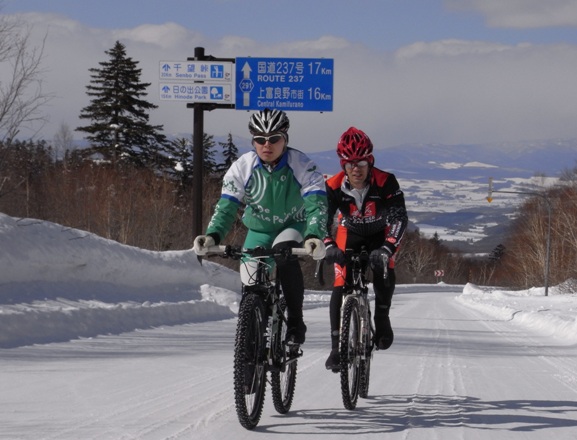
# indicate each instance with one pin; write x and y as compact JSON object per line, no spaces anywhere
{"x":261,"y":140}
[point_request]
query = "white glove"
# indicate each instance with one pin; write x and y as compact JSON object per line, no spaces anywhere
{"x":202,"y":243}
{"x":315,"y":248}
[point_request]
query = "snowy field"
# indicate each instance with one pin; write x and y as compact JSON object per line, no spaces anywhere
{"x":58,"y":284}
{"x":70,"y":300}
{"x":459,"y":208}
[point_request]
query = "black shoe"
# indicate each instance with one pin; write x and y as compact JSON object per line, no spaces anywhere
{"x":384,"y":342}
{"x":333,"y":362}
{"x":384,"y":335}
{"x":296,"y":330}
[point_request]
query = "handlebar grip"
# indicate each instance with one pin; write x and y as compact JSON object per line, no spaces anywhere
{"x":299,"y":251}
{"x":218,"y":249}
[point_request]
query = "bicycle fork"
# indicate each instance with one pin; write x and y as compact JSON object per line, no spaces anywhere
{"x":271,"y":333}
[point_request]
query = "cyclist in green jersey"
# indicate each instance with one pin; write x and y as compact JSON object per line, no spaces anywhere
{"x":285,"y":203}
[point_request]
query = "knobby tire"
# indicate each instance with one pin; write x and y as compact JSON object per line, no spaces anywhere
{"x":349,"y":353}
{"x":283,"y":375}
{"x":365,"y":365}
{"x":249,"y":368}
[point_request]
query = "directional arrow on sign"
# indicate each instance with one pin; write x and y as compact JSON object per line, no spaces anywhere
{"x":246,"y":84}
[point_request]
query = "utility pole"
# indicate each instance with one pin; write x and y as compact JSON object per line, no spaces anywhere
{"x":549,"y":208}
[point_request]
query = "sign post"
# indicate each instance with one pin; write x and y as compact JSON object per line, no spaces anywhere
{"x":206,"y":83}
{"x":439,"y":274}
{"x":197,"y":138}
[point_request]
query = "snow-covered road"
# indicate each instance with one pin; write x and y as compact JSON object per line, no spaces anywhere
{"x":453,"y":373}
{"x":469,"y":362}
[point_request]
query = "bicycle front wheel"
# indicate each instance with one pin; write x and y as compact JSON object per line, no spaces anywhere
{"x":365,"y":367}
{"x":249,"y":368}
{"x":284,"y":376}
{"x":350,"y":353}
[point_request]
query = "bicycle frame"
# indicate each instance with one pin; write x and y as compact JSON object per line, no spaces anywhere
{"x":357,"y":290}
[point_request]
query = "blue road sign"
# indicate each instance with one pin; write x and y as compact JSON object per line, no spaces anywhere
{"x":288,"y":84}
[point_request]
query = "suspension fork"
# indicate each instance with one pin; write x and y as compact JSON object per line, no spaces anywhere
{"x":366,"y":325}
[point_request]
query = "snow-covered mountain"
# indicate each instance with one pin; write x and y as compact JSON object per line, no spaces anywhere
{"x":446,"y":185}
{"x":470,"y":162}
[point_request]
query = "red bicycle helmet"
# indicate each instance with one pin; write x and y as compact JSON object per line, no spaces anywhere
{"x":355,"y":145}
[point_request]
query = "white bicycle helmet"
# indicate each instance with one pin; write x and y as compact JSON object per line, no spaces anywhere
{"x":269,"y":121}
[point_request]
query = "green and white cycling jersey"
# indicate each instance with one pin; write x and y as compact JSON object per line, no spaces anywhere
{"x":292,"y":193}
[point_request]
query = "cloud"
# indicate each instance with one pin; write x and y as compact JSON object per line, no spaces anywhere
{"x":521,"y":14}
{"x":445,"y":91}
{"x":449,"y":48}
{"x":459,"y":89}
{"x":165,"y":36}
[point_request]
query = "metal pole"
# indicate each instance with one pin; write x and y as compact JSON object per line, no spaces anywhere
{"x":547,"y":259}
{"x":197,"y":144}
{"x":197,"y":158}
{"x":549,"y":208}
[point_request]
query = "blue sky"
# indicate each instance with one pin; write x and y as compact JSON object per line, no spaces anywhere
{"x":429,"y":71}
{"x":380,"y":24}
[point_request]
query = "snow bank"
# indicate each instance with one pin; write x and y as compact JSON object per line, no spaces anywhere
{"x":58,"y":283}
{"x":553,"y":315}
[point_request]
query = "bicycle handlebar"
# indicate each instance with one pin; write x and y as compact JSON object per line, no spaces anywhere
{"x":237,"y":252}
{"x":360,"y":256}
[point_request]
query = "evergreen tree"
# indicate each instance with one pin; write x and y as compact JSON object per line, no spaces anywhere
{"x":181,"y":157}
{"x":497,"y":254}
{"x":435,"y":239}
{"x":120,"y":126}
{"x":208,"y":160}
{"x":230,"y":154}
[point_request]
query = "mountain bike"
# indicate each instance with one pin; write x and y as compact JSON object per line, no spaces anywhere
{"x":260,"y":344}
{"x":356,"y":332}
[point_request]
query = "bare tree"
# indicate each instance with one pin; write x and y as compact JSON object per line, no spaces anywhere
{"x":417,"y":257}
{"x":21,"y":95}
{"x":63,"y":141}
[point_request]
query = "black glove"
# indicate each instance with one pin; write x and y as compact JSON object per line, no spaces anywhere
{"x":379,"y":258}
{"x":333,"y":253}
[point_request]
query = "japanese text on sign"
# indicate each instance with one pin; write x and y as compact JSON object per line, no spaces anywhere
{"x":201,"y":92}
{"x":284,"y":83}
{"x":196,"y":71}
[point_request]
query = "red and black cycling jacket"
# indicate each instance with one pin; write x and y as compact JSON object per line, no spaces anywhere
{"x":383,"y":206}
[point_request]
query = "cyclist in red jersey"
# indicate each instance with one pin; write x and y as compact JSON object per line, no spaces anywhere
{"x":371,"y":213}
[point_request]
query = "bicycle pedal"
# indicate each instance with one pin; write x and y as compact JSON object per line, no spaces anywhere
{"x":294,"y":351}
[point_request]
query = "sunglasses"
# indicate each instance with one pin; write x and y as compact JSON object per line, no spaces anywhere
{"x":360,"y":164}
{"x":261,"y":140}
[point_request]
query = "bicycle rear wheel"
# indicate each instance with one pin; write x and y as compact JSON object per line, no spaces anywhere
{"x":249,"y":368}
{"x":284,"y":376}
{"x":350,"y":354}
